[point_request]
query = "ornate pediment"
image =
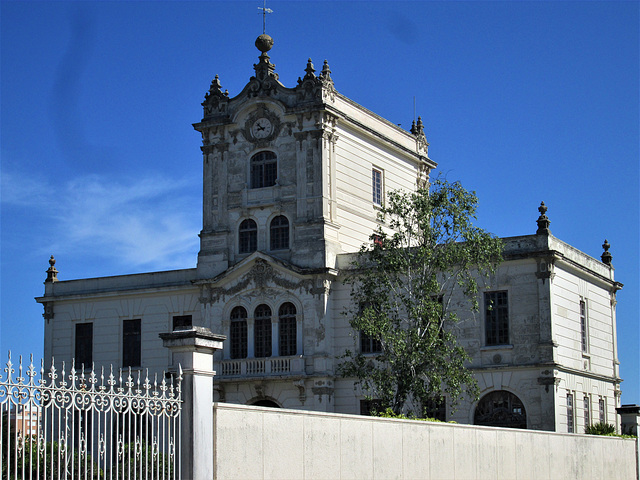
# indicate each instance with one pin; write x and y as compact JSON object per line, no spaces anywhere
{"x":262,"y":273}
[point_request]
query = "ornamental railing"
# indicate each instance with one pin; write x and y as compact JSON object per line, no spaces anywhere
{"x":260,"y":367}
{"x":79,"y":424}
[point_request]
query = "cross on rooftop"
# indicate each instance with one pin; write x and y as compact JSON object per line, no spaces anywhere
{"x":265,"y":10}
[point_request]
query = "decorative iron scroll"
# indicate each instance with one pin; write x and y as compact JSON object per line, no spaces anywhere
{"x":83,"y":425}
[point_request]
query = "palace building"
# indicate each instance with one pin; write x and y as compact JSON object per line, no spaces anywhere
{"x":292,"y":182}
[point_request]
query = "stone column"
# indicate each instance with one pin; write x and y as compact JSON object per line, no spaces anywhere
{"x":193,"y":350}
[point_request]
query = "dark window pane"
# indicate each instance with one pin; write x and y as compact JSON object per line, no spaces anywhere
{"x":279,"y":233}
{"x":131,"y":343}
{"x":496,"y":318}
{"x":583,"y":324}
{"x":436,"y":407}
{"x":262,"y":331}
{"x":182,"y":322}
{"x":238,"y":333}
{"x":370,"y":407}
{"x":264,"y":169}
{"x":84,"y":345}
{"x":248,"y":236}
{"x":287,"y":331}
{"x":369,"y":344}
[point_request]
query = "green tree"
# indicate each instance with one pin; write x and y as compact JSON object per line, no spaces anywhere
{"x":402,"y":288}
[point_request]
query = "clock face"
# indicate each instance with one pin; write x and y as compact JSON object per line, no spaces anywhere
{"x":261,"y":128}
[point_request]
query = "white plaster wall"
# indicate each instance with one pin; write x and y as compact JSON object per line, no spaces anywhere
{"x":155,"y":308}
{"x":261,"y":443}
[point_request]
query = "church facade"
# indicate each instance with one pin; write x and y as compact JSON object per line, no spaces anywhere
{"x":292,"y":182}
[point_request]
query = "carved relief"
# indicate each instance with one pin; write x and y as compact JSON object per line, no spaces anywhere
{"x":545,"y":268}
{"x":260,"y":275}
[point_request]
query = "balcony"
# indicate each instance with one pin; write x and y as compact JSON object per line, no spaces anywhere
{"x":260,"y":367}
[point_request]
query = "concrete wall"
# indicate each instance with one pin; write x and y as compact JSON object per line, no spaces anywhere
{"x":262,"y":443}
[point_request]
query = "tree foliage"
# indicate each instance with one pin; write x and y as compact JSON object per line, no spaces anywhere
{"x":403,"y":286}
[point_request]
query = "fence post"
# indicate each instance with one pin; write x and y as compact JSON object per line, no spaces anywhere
{"x":193,"y":350}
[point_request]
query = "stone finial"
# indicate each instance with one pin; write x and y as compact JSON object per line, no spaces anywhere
{"x":264,"y":43}
{"x":419,"y":127}
{"x":413,"y":130}
{"x":264,"y":68}
{"x":606,"y":256}
{"x":543,"y":221}
{"x":52,"y":273}
{"x":310,"y":71}
{"x":326,"y":71}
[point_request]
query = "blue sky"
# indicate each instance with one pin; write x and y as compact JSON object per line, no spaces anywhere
{"x":522,"y":102}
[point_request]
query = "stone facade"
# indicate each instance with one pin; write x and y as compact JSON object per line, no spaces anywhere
{"x":292,"y":179}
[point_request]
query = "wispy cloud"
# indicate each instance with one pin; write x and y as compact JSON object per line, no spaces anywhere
{"x":146,"y":222}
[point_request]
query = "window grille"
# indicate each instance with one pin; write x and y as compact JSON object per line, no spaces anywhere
{"x":248,"y":236}
{"x":238,"y":333}
{"x":496,"y":318}
{"x":262,"y":331}
{"x":279,"y":232}
{"x":603,"y":417}
{"x":376,"y":182}
{"x":287,"y":329}
{"x":264,"y":169}
{"x":587,"y":408}
{"x":570,"y":427}
{"x":583,"y":325}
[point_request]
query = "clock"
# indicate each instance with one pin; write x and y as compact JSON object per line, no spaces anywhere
{"x":261,"y":128}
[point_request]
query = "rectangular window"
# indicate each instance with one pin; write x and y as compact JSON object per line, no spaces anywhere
{"x":583,"y":326}
{"x":376,"y":181}
{"x":131,"y":343}
{"x":84,"y":345}
{"x":368,"y":344}
{"x":436,"y":407}
{"x":182,"y":322}
{"x":570,"y":428}
{"x":603,"y":417}
{"x":370,"y":407}
{"x":496,"y":318}
{"x":587,"y":408}
{"x":239,"y":338}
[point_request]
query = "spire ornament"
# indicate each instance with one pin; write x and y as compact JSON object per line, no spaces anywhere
{"x":543,"y":221}
{"x":264,"y":68}
{"x":52,"y":273}
{"x":606,"y":256}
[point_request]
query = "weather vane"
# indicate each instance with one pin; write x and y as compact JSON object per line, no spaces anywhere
{"x":265,"y":10}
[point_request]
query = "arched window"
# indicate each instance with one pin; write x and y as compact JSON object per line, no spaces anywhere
{"x":238,"y":333}
{"x":262,"y":331}
{"x":264,"y":169}
{"x":279,"y":232}
{"x":248,"y":236}
{"x":500,"y":409}
{"x":287,"y":332}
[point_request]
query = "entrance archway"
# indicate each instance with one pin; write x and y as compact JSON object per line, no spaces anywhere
{"x":500,"y":409}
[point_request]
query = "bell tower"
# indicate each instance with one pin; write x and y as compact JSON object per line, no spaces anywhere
{"x":287,"y":171}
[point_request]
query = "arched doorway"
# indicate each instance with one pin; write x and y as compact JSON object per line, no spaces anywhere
{"x":266,"y":403}
{"x":500,"y":409}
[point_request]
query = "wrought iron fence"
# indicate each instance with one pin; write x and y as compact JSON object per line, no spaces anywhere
{"x":83,"y":425}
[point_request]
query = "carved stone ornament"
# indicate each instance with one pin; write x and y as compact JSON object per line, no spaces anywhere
{"x":543,"y":221}
{"x":262,"y":126}
{"x":316,"y":88}
{"x":215,"y":100}
{"x":545,"y":269}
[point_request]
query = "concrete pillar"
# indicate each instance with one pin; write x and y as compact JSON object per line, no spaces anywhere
{"x":193,"y":350}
